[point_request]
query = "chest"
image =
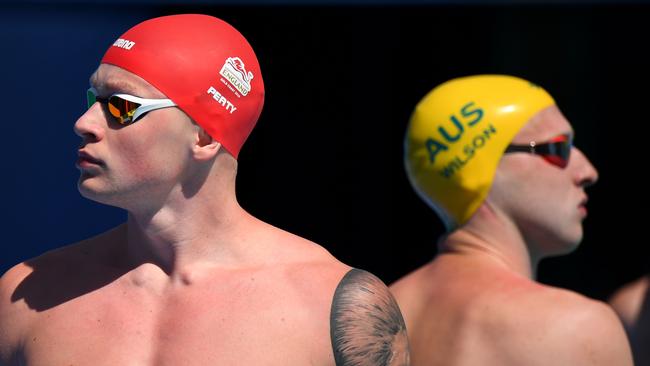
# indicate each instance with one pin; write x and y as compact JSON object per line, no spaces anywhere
{"x":220,"y":325}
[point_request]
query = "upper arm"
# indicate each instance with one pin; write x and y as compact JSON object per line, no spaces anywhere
{"x":366,"y":325}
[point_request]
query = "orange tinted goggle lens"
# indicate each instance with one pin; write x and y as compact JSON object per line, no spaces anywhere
{"x":121,"y":109}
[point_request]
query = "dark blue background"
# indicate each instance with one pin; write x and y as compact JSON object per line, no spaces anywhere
{"x":48,"y":53}
{"x":325,"y":159}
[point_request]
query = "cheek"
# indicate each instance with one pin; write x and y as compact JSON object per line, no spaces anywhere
{"x":543,"y":197}
{"x":149,"y":155}
{"x":524,"y":189}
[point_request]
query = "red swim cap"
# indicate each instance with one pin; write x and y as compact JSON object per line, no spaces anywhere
{"x":201,"y":63}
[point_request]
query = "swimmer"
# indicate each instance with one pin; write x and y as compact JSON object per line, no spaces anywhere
{"x":190,"y":278}
{"x":493,"y":156}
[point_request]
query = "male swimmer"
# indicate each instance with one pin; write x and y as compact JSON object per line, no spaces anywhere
{"x":493,"y":156}
{"x":190,"y":278}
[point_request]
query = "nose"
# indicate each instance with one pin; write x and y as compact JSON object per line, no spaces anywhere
{"x":585,"y":174}
{"x":89,"y":126}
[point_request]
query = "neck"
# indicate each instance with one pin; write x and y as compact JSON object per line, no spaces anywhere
{"x":186,"y":231}
{"x":491,"y":236}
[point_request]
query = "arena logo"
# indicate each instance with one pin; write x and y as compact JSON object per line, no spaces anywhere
{"x":468,"y":116}
{"x":124,"y":43}
{"x":234,"y":71}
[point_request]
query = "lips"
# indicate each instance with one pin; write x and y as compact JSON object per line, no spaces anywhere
{"x":584,"y":201}
{"x":583,"y":206}
{"x":86,"y":160}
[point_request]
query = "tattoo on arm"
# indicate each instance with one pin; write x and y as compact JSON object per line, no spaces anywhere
{"x":366,"y":325}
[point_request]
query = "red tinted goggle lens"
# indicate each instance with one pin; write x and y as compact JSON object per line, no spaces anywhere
{"x":557,"y":151}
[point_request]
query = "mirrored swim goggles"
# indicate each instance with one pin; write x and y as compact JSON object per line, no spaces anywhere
{"x":557,"y":151}
{"x":127,"y":108}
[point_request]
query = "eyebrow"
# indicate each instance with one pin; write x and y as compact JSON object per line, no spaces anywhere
{"x":571,"y":133}
{"x":115,"y":85}
{"x":565,"y":132}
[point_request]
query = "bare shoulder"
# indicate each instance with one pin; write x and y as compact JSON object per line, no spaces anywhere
{"x":52,"y":278}
{"x":601,"y":339}
{"x":366,"y":326}
{"x":33,"y":276}
{"x":307,"y":267}
{"x":10,"y":280}
{"x":572,"y":328}
{"x":628,"y":300}
{"x":14,"y":319}
{"x":365,"y":323}
{"x":412,"y":290}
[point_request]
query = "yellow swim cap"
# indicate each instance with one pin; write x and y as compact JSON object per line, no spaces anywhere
{"x":457,"y":135}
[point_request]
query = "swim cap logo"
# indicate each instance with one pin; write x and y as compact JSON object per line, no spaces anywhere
{"x":221,"y":100}
{"x":235,"y":73}
{"x":124,"y":43}
{"x":470,"y":115}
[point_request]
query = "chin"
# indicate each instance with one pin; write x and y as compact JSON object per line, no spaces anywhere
{"x":94,"y":193}
{"x":566,"y":243}
{"x":84,"y":189}
{"x":569,"y":248}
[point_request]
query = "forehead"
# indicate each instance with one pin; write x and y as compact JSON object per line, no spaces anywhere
{"x":109,"y":79}
{"x":546,"y":124}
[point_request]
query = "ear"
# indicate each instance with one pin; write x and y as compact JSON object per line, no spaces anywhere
{"x":205,"y":147}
